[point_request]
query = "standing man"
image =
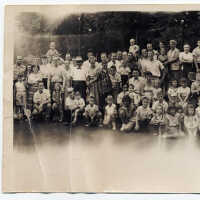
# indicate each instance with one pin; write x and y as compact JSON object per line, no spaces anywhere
{"x":114,"y":61}
{"x":173,"y":63}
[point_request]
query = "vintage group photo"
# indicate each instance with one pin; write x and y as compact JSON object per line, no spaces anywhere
{"x":106,"y":101}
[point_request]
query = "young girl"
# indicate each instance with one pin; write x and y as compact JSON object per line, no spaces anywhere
{"x":183,"y":93}
{"x":156,"y":89}
{"x":80,"y":106}
{"x":158,"y":121}
{"x":172,"y":122}
{"x":110,"y":113}
{"x":143,"y":114}
{"x":135,"y":97}
{"x":57,"y":107}
{"x":20,"y":89}
{"x":160,"y":102}
{"x":116,"y":82}
{"x":191,"y":121}
{"x":173,"y":93}
{"x":92,"y":114}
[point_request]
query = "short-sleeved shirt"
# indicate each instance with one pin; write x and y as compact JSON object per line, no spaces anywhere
{"x":91,"y":110}
{"x":120,"y":97}
{"x":110,"y":110}
{"x":164,"y":105}
{"x":173,"y":92}
{"x":80,"y":103}
{"x":174,"y":54}
{"x":115,"y":79}
{"x":79,"y":74}
{"x":143,"y":113}
{"x":34,"y":78}
{"x":42,"y":98}
{"x":20,"y":87}
{"x":138,"y":83}
{"x":124,"y":70}
{"x":155,"y":67}
{"x":116,"y":63}
{"x":196,"y":53}
{"x":70,"y":103}
{"x":56,"y":74}
{"x":186,"y":57}
{"x":183,"y":92}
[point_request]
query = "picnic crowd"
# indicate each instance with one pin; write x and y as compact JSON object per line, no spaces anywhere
{"x":135,"y":90}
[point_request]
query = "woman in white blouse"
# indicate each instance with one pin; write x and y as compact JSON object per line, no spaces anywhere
{"x":187,"y":60}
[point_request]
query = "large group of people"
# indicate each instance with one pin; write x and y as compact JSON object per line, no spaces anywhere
{"x":134,"y":90}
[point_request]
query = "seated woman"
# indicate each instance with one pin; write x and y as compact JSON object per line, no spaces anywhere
{"x":127,"y":114}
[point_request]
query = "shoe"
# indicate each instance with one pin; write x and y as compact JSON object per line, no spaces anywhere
{"x":122,"y":128}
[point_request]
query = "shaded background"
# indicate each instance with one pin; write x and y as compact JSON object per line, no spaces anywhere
{"x":103,"y":31}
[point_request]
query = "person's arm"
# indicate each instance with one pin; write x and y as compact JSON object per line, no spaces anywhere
{"x":175,"y":59}
{"x":82,"y":104}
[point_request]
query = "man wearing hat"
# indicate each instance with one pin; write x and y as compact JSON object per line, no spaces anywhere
{"x":79,"y":77}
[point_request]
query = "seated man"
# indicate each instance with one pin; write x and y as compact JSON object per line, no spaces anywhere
{"x":42,"y":102}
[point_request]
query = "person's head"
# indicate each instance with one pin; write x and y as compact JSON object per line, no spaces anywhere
{"x":52,"y":45}
{"x":186,"y":48}
{"x":144,"y":53}
{"x":57,"y":86}
{"x":19,"y":60}
{"x":160,"y":96}
{"x":150,"y":55}
{"x":40,"y":86}
{"x":171,"y":110}
{"x":78,"y":61}
{"x":145,"y":102}
{"x":130,"y":55}
{"x":92,"y":100}
{"x":198,"y":43}
{"x":29,"y":68}
{"x":67,"y":64}
{"x":180,"y":110}
{"x":148,"y":76}
{"x":126,"y":100}
{"x":159,"y":110}
{"x":161,"y":45}
{"x":183,"y":82}
{"x":68,"y":57}
{"x":119,"y":55}
{"x":71,"y":93}
{"x":35,"y":68}
{"x":132,"y":42}
{"x":55,"y":61}
{"x":90,"y":53}
{"x":125,"y":88}
{"x":131,"y":88}
{"x":172,"y":44}
{"x":135,"y":73}
{"x":109,"y":100}
{"x":92,"y":60}
{"x":124,"y":56}
{"x":162,"y":51}
{"x":77,"y":95}
{"x":104,"y":57}
{"x":113,"y":70}
{"x":190,"y":109}
{"x":113,"y":56}
{"x":174,"y":83}
{"x":149,"y":47}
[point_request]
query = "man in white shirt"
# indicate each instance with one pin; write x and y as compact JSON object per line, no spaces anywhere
{"x":196,"y":54}
{"x":114,"y":61}
{"x":79,"y":75}
{"x":42,"y":102}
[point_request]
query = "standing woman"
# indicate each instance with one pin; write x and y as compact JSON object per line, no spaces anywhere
{"x":33,"y":79}
{"x":92,"y":79}
{"x":187,"y":60}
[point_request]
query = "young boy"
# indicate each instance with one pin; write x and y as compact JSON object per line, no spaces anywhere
{"x":110,"y":113}
{"x":135,"y":97}
{"x":92,"y":114}
{"x":20,"y":97}
{"x":160,"y":102}
{"x":57,"y":107}
{"x":173,"y":93}
{"x":122,"y":94}
{"x":80,"y":103}
{"x":116,"y":82}
{"x":143,"y":114}
{"x":183,"y":93}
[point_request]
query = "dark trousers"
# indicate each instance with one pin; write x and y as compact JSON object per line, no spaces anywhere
{"x":124,"y":79}
{"x":68,"y":116}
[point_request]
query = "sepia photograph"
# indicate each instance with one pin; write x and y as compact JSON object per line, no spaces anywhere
{"x":102,"y":98}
